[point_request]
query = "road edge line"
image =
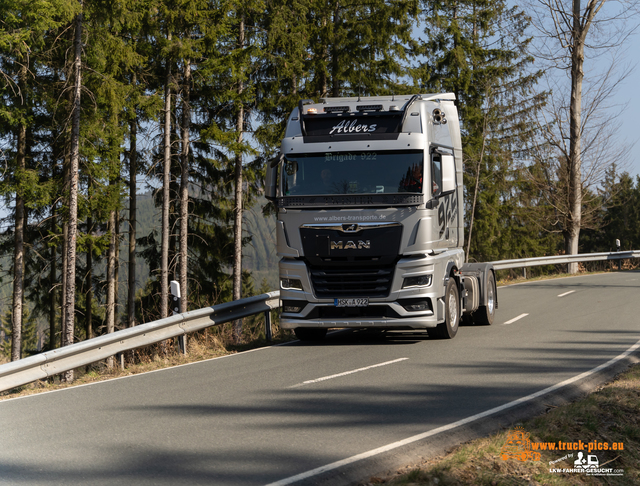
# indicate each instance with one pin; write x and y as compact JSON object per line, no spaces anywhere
{"x":487,"y":413}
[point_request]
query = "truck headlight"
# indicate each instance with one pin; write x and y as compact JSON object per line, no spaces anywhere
{"x":290,"y":284}
{"x":421,"y":281}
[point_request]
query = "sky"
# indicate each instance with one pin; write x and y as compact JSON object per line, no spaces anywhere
{"x":624,"y":102}
{"x":628,"y":93}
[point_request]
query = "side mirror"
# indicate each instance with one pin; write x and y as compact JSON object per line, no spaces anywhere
{"x":448,"y":174}
{"x":271,"y":180}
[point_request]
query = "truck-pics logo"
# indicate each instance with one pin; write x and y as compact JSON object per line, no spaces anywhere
{"x":518,"y":446}
{"x":346,"y":126}
{"x":351,"y":245}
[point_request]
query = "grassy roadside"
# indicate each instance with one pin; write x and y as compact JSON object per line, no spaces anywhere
{"x":611,"y":414}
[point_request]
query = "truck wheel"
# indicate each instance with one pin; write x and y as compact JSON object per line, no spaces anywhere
{"x":449,"y":328}
{"x":485,"y":313}
{"x":310,"y":333}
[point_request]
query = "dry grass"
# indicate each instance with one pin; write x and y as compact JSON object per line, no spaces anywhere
{"x":610,"y":414}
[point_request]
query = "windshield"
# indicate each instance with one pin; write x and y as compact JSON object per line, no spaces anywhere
{"x":353,"y":173}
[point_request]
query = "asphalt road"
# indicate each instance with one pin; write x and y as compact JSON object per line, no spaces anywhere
{"x":274,"y":413}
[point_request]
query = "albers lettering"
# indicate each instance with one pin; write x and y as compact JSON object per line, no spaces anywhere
{"x":346,"y":126}
{"x":350,"y":245}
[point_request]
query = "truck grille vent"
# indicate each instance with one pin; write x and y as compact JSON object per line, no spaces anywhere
{"x":351,"y":282}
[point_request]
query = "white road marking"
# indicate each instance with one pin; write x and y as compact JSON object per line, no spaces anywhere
{"x":444,"y":428}
{"x":566,"y":293}
{"x":515,"y":319}
{"x":324,"y":378}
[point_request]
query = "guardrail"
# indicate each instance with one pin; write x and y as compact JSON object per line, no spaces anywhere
{"x":57,"y":361}
{"x":63,"y":359}
{"x":564,"y":259}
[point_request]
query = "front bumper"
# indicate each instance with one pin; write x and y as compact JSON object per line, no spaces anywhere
{"x":378,"y":323}
{"x":382,"y":312}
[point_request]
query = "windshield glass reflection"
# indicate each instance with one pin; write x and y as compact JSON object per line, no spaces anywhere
{"x":353,"y":173}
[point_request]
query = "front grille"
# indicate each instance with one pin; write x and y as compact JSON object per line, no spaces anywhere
{"x":332,"y":282}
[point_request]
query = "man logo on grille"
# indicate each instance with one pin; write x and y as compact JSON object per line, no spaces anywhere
{"x":351,"y":245}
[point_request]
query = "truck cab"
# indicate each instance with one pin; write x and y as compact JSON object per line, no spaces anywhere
{"x":370,"y":225}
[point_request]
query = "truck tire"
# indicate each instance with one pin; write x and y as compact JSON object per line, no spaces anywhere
{"x":310,"y":333}
{"x":449,"y":328}
{"x":485,"y":314}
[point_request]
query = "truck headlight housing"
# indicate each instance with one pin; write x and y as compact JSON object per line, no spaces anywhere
{"x":293,"y":306}
{"x":416,"y":305}
{"x":290,"y":284}
{"x":421,"y":281}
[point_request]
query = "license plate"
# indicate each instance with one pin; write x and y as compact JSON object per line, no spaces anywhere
{"x":361,"y":302}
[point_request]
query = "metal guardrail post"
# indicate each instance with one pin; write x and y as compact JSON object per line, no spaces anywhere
{"x":268,"y":332}
{"x":175,"y":306}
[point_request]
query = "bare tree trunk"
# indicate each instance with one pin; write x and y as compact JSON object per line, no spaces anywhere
{"x":570,"y":24}
{"x":89,"y":284}
{"x":166,"y":195}
{"x":237,"y":230}
{"x":18,"y":255}
{"x":184,"y":185}
{"x":133,"y":170}
{"x":63,"y":272}
{"x":111,"y":286}
{"x":53,"y":291}
{"x":70,"y":297}
{"x":572,"y":232}
{"x":116,"y":273}
{"x":324,"y":88}
{"x":477,"y":185}
{"x":335,"y":65}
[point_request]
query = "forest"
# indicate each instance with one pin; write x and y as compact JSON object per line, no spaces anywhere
{"x":134,"y":135}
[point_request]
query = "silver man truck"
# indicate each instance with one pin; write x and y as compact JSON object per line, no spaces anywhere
{"x":370,"y":229}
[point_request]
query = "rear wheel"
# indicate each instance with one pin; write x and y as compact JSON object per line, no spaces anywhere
{"x":485,"y":314}
{"x":310,"y":333}
{"x":449,"y":328}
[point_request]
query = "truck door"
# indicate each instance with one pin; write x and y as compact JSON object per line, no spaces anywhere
{"x":444,"y":197}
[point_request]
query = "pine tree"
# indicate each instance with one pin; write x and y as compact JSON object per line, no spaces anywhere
{"x":22,"y":43}
{"x":28,"y":343}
